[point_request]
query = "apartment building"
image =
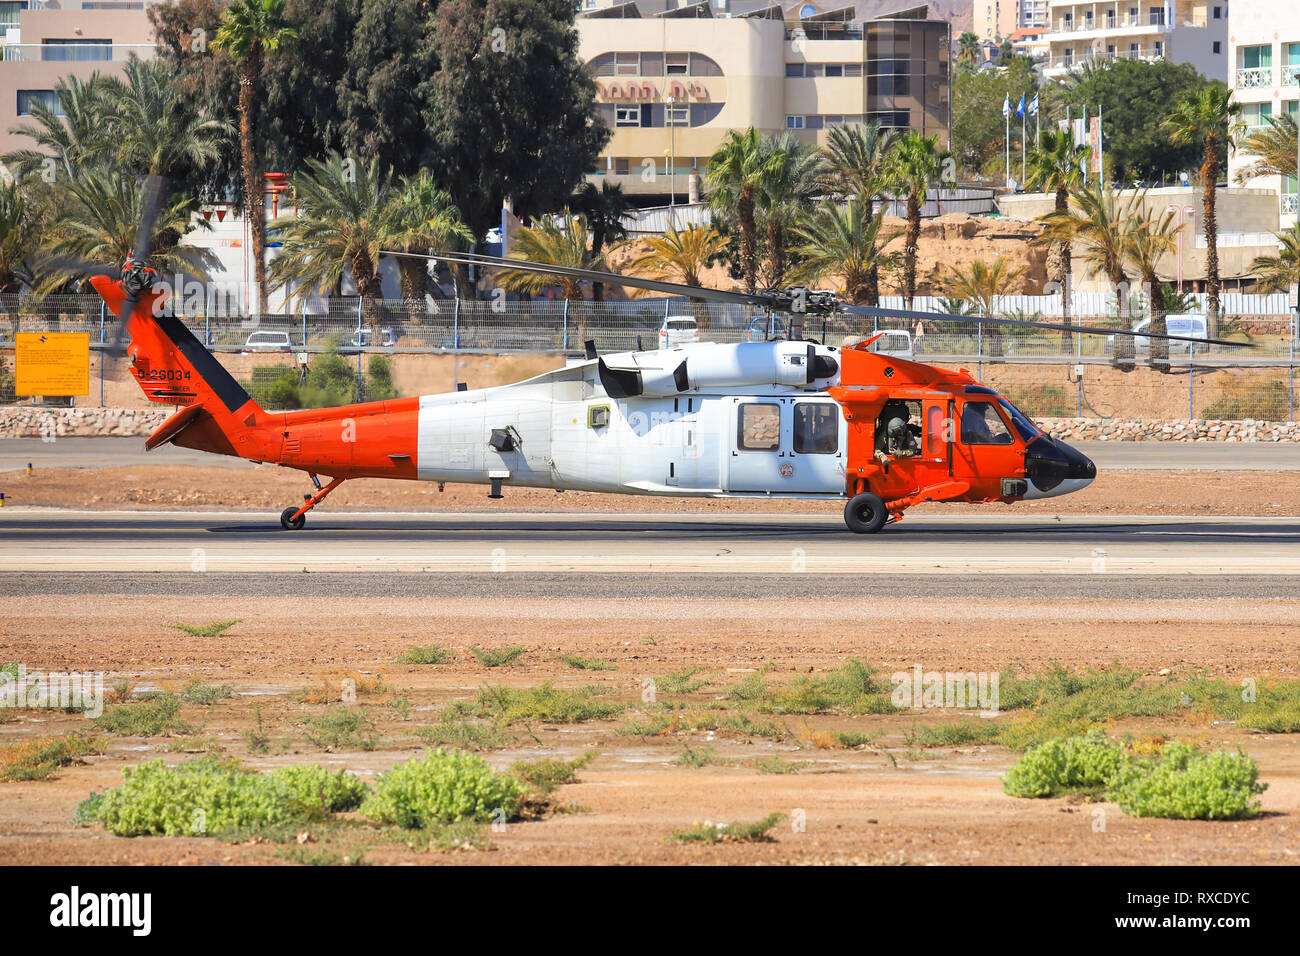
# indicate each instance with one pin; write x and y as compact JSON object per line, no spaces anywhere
{"x":1264,"y":52}
{"x":994,"y":20}
{"x":672,"y":81}
{"x":42,"y":41}
{"x":1182,"y":31}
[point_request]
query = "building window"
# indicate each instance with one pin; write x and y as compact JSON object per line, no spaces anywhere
{"x":1218,"y":47}
{"x":814,"y":69}
{"x":852,"y":69}
{"x":1218,"y":13}
{"x":678,"y":116}
{"x":679,"y":64}
{"x":814,"y":122}
{"x":76,"y":50}
{"x":1110,"y":19}
{"x":29,"y":98}
{"x":627,"y":116}
{"x":621,"y":167}
{"x":9,"y":14}
{"x":794,"y":122}
{"x":834,"y":69}
{"x":794,"y":69}
{"x":1256,"y":115}
{"x":1160,"y":48}
{"x":1156,"y":16}
{"x":627,"y":64}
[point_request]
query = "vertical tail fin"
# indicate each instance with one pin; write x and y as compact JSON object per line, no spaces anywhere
{"x":173,"y":367}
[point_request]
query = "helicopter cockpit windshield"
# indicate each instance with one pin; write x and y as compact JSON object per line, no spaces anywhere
{"x":1024,"y":425}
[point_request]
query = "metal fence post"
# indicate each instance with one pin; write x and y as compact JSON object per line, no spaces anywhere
{"x":101,"y":323}
{"x":304,"y":323}
{"x":565,"y":326}
{"x":455,"y":324}
{"x":1191,"y":381}
{"x":979,"y":350}
{"x":1295,"y":325}
{"x":360,"y":346}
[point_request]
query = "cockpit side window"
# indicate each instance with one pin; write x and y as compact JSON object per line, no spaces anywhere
{"x":981,"y":425}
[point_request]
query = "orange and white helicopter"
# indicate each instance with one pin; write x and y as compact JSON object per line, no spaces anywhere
{"x":788,"y":418}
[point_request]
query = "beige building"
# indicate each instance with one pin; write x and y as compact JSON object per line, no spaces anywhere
{"x":1264,"y":52}
{"x":1183,"y":31}
{"x":45,"y":40}
{"x":672,"y":81}
{"x":994,"y":19}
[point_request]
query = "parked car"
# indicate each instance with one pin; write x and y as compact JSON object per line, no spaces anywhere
{"x":1192,"y":326}
{"x":264,"y":341}
{"x":895,"y":342}
{"x":678,"y":330}
{"x":761,"y":329}
{"x":366,"y":339}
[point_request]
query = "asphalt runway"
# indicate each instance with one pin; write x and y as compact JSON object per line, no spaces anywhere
{"x":592,"y":547}
{"x":16,"y":453}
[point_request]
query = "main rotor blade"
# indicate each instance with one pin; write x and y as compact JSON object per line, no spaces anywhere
{"x":593,"y":275}
{"x":155,"y":188}
{"x":871,"y":312}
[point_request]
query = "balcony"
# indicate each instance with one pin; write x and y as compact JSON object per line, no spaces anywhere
{"x":1291,"y":74}
{"x":75,"y":52}
{"x":1254,"y":78}
{"x":1060,"y":64}
{"x":1290,"y":204}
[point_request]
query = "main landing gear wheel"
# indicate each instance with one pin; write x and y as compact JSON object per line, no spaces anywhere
{"x":865,"y":513}
{"x":288,"y":522}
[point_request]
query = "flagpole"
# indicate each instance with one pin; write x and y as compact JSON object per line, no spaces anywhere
{"x":1022,"y":142}
{"x":1006,"y":114}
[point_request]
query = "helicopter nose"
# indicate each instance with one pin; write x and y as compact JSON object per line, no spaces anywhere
{"x":1054,"y":468}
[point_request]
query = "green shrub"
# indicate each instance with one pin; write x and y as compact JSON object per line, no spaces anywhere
{"x":311,"y":785}
{"x":546,"y":702}
{"x":490,"y":657}
{"x":546,"y":774}
{"x":578,"y":662}
{"x":430,"y":654}
{"x":1242,"y":397}
{"x":197,"y":692}
{"x":445,"y":786}
{"x":1083,"y":764}
{"x":147,"y":718}
{"x":1182,"y":783}
{"x":342,"y":729}
{"x":755,"y":832}
{"x":208,"y":797}
{"x":854,"y":688}
{"x":38,"y":759}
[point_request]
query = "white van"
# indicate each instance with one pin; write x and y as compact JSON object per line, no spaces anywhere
{"x":1188,"y":324}
{"x":895,"y":342}
{"x":678,"y":331}
{"x":268,"y":342}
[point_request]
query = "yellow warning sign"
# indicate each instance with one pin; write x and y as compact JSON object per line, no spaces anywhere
{"x":52,"y":363}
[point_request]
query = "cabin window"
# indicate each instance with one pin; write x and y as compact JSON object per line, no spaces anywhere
{"x":982,"y":425}
{"x":758,"y":427}
{"x":816,"y":429}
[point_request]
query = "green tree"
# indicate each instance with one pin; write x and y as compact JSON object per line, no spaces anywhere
{"x":915,"y":163}
{"x":733,"y":177}
{"x":979,"y":131}
{"x":22,"y":225}
{"x":73,"y":134}
{"x":1279,"y":272}
{"x":854,"y":164}
{"x":682,"y":256}
{"x":844,"y":239}
{"x":1054,"y":165}
{"x":1130,"y":93}
{"x":251,"y":31}
{"x":1095,"y":222}
{"x":559,"y":241}
{"x":510,"y":107}
{"x":421,"y":218}
{"x":1148,"y":237}
{"x":1207,"y":120}
{"x":1274,"y":148}
{"x":968,"y":48}
{"x":156,"y":131}
{"x":340,"y":223}
{"x":604,"y":211}
{"x":979,"y":285}
{"x":787,"y":186}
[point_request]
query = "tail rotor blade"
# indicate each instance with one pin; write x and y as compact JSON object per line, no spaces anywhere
{"x":155,"y":188}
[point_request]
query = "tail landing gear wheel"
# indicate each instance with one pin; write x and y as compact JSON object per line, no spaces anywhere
{"x":288,"y":522}
{"x":865,"y":513}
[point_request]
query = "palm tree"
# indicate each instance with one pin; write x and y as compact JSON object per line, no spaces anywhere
{"x":556,"y":242}
{"x":421,"y":218}
{"x":979,"y":284}
{"x":1275,"y":147}
{"x":968,"y":48}
{"x":251,"y":31}
{"x":73,"y":133}
{"x":1054,"y":165}
{"x":21,"y":234}
{"x":733,"y":177}
{"x":1210,"y":119}
{"x":914,"y":163}
{"x":340,"y":222}
{"x":854,"y":160}
{"x":844,"y":239}
{"x":1095,"y":221}
{"x":605,"y":211}
{"x":156,"y":132}
{"x":1148,"y":237}
{"x":786,"y":188}
{"x":682,"y":256}
{"x":95,"y":219}
{"x":1282,"y":270}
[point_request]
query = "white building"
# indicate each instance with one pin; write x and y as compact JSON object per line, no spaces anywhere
{"x":1182,"y":31}
{"x":1264,"y":51}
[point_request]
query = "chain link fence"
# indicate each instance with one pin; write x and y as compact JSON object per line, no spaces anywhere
{"x":1050,"y":373}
